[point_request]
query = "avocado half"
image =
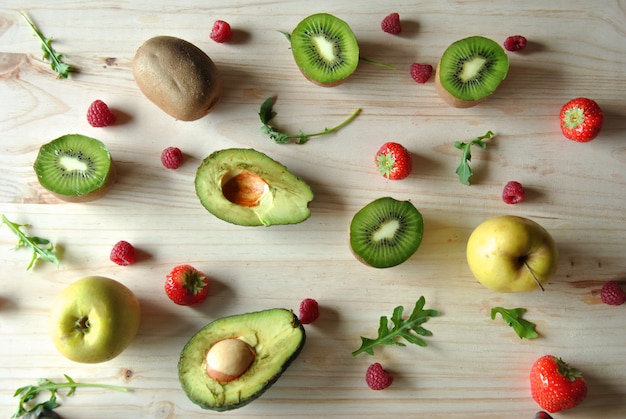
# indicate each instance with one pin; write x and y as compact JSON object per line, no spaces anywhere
{"x":246,"y":187}
{"x":276,"y":336}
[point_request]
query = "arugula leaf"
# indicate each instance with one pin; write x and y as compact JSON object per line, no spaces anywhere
{"x":42,"y":248}
{"x":56,"y":59}
{"x":464,"y":171}
{"x":401,"y":329}
{"x":513,"y":317}
{"x":28,"y":393}
{"x":266,"y":114}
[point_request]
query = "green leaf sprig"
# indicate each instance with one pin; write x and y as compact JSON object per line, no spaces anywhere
{"x":464,"y":171}
{"x":266,"y":114}
{"x":28,"y":394}
{"x":401,"y":329}
{"x":42,"y":248}
{"x":513,"y":317}
{"x":56,"y":59}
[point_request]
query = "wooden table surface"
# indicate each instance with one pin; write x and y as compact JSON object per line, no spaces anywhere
{"x":474,"y":367}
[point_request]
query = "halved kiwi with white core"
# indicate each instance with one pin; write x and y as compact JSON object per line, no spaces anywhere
{"x":386,"y":232}
{"x":75,"y":168}
{"x":325,"y":49}
{"x":470,"y":70}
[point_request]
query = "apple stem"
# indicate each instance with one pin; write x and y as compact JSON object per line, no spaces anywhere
{"x":534,"y":276}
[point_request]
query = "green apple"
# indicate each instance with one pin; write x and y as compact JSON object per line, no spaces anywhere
{"x":512,"y":254}
{"x":94,"y":319}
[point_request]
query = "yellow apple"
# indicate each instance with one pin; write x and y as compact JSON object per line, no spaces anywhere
{"x":94,"y":319}
{"x":512,"y":254}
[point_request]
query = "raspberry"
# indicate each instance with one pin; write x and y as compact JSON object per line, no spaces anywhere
{"x":123,"y":253}
{"x":421,"y":72}
{"x":612,"y":294}
{"x":309,"y":311}
{"x":515,"y":43}
{"x":377,"y":378}
{"x":99,"y":115}
{"x":221,"y":32}
{"x":391,"y":24}
{"x":513,"y":193}
{"x":172,"y":157}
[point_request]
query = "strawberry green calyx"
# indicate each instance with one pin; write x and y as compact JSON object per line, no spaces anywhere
{"x":566,"y":371}
{"x":573,"y":117}
{"x":385,"y":163}
{"x":195,"y":281}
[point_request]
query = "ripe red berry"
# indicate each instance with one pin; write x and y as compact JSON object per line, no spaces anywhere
{"x":515,"y":43}
{"x":612,"y":294}
{"x":309,"y":311}
{"x":391,"y":24}
{"x":185,"y":285}
{"x":221,"y":31}
{"x":99,"y":115}
{"x":513,"y":193}
{"x":421,"y":72}
{"x":377,"y":378}
{"x":172,"y":157}
{"x":394,"y":161}
{"x":123,"y":253}
{"x":581,"y":119}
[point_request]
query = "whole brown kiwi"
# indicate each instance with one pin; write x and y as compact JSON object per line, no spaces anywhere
{"x":178,"y":77}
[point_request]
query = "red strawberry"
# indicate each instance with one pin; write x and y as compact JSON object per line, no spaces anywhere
{"x":555,"y":385}
{"x":185,"y":285}
{"x":377,"y":378}
{"x":581,"y":119}
{"x":123,"y":253}
{"x":394,"y":161}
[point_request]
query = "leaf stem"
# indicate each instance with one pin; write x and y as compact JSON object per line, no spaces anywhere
{"x":378,"y":63}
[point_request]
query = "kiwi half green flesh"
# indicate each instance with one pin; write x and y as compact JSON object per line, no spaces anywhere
{"x":470,"y":70}
{"x":325,"y":49}
{"x":75,"y":168}
{"x":386,"y":232}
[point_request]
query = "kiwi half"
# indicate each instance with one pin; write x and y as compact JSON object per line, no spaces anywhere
{"x":386,"y":232}
{"x":470,"y":70}
{"x":75,"y":168}
{"x":325,"y":49}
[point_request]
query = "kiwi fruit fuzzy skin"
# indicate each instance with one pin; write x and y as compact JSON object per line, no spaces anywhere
{"x":88,"y":196}
{"x":458,"y":102}
{"x":178,"y":77}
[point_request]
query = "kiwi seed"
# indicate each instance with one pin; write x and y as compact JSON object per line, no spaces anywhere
{"x":75,"y":168}
{"x":470,"y":70}
{"x":386,"y":232}
{"x":325,"y":49}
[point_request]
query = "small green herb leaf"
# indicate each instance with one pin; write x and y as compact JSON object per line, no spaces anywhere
{"x":408,"y":329}
{"x":28,"y":393}
{"x":513,"y":317}
{"x":56,"y":59}
{"x":464,"y":171}
{"x":42,"y":248}
{"x":266,"y":114}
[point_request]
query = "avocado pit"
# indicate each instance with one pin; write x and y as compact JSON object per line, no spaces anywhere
{"x":228,"y":359}
{"x":243,"y":187}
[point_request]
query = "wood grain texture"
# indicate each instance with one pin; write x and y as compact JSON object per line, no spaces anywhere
{"x":474,"y":367}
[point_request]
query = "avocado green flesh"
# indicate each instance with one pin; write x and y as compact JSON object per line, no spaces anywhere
{"x":276,"y":336}
{"x":284,"y":198}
